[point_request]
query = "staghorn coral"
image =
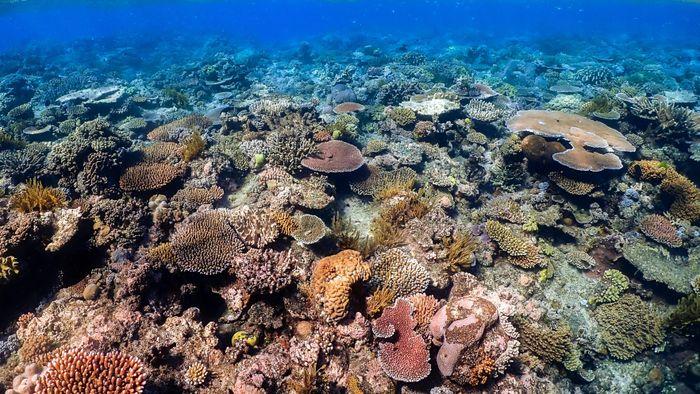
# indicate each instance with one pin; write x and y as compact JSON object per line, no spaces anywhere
{"x":551,"y":346}
{"x":35,"y":197}
{"x":254,"y":227}
{"x":406,"y":357}
{"x":396,"y":269}
{"x":80,"y":371}
{"x":685,"y":317}
{"x":686,"y":196}
{"x":615,"y":284}
{"x":205,"y":243}
{"x":288,"y":148}
{"x":309,"y":229}
{"x":581,"y":133}
{"x":459,"y":250}
{"x":402,"y":116}
{"x":571,"y":186}
{"x":483,"y":111}
{"x":382,"y":183}
{"x":332,"y":280}
{"x":628,"y":326}
{"x":661,"y":230}
{"x":194,"y":197}
{"x":148,"y":177}
{"x":521,"y":252}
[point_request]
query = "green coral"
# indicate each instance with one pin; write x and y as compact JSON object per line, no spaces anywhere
{"x":345,"y":126}
{"x":685,"y":318}
{"x":178,"y":98}
{"x":629,"y":326}
{"x":615,"y":283}
{"x":402,"y":116}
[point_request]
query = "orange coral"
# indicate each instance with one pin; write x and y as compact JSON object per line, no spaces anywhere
{"x":480,"y":373}
{"x":686,"y":196}
{"x":80,"y":371}
{"x":193,"y":147}
{"x":380,"y":299}
{"x":332,"y":280}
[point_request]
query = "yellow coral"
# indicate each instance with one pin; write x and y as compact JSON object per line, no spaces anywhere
{"x":193,"y":147}
{"x":34,"y":196}
{"x":521,"y":252}
{"x":8,"y":267}
{"x":332,"y":280}
{"x":380,"y":299}
{"x":686,"y":196}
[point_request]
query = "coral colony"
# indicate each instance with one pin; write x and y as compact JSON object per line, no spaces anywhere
{"x":396,"y":221}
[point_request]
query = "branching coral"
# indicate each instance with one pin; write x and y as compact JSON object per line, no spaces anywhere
{"x":521,"y":252}
{"x":193,"y":146}
{"x":254,"y":227}
{"x":629,"y":326}
{"x":406,"y":358}
{"x":382,"y":184}
{"x":82,"y":371}
{"x":483,"y":111}
{"x":402,"y":116}
{"x":685,"y":318}
{"x":8,"y":267}
{"x":686,"y":196}
{"x":35,"y":197}
{"x":551,"y":346}
{"x":332,"y":280}
{"x":289,"y":147}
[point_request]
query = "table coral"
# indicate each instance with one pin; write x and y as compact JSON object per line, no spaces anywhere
{"x":581,"y":133}
{"x":334,"y":157}
{"x":148,"y":177}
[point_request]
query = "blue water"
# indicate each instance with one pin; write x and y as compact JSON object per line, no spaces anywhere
{"x":283,"y":21}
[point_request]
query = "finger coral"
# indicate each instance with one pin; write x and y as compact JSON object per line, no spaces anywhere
{"x":206,"y":243}
{"x":405,"y":357}
{"x":148,"y":177}
{"x":520,"y":251}
{"x":35,"y":197}
{"x":581,"y":133}
{"x":332,"y":280}
{"x":80,"y":371}
{"x":661,"y":230}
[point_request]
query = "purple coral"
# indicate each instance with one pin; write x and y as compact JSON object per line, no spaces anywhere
{"x":407,"y":358}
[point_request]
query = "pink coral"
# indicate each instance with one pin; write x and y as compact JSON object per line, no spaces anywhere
{"x":334,"y":157}
{"x":407,"y":358}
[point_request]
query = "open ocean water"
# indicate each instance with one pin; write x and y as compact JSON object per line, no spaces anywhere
{"x":298,"y":196}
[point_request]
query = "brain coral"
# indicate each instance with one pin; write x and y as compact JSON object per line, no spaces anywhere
{"x":581,"y":133}
{"x":661,"y":230}
{"x":147,"y":177}
{"x":521,"y":252}
{"x":406,"y":358}
{"x":629,"y":326}
{"x":80,"y":371}
{"x":332,"y":280}
{"x":205,"y":243}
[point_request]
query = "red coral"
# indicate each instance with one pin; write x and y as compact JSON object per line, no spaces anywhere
{"x":406,"y":359}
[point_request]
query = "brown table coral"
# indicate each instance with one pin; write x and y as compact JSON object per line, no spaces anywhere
{"x":592,"y":143}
